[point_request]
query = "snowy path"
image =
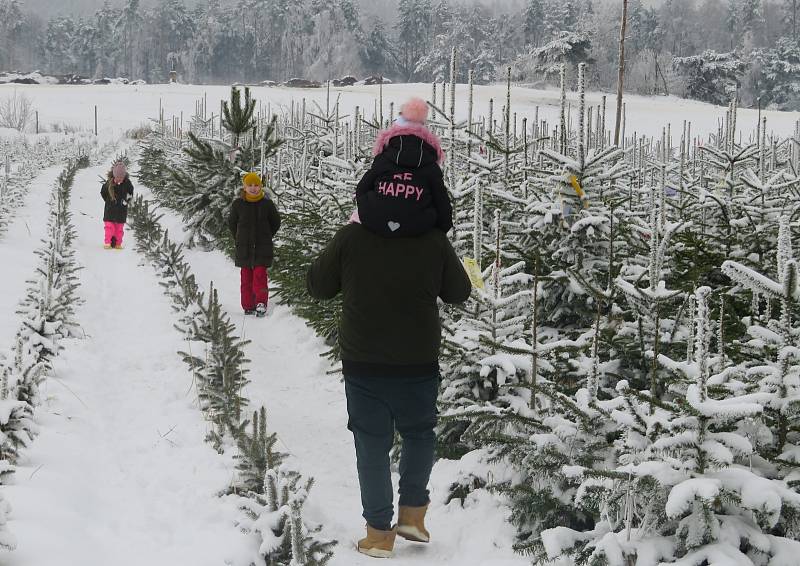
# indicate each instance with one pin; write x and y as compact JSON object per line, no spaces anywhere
{"x":24,"y":235}
{"x":307,"y":409}
{"x":120,"y":473}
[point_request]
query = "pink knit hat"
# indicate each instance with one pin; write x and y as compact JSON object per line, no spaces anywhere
{"x":415,"y":110}
{"x":119,"y":169}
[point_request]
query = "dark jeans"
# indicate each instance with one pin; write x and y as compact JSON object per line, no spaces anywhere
{"x":376,"y":406}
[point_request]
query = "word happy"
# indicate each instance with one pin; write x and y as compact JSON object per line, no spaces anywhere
{"x":397,"y":189}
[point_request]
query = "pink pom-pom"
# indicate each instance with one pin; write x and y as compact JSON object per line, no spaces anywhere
{"x":415,"y":110}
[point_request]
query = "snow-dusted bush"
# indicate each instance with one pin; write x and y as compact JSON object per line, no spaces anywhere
{"x":16,"y":111}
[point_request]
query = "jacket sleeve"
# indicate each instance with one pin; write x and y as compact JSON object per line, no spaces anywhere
{"x":273,"y":216}
{"x":456,"y":286}
{"x":130,"y":188}
{"x":441,"y":201}
{"x":324,"y":277}
{"x":104,"y":192}
{"x":233,"y":219}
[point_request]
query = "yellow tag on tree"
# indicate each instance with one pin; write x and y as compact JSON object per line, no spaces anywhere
{"x":473,"y":272}
{"x":578,"y":190}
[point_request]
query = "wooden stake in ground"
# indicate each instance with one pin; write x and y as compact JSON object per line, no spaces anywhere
{"x":621,"y":69}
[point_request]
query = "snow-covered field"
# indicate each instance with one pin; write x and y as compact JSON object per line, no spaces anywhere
{"x":122,"y":107}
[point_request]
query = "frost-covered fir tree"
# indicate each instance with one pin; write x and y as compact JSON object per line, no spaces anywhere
{"x":576,"y":225}
{"x":711,"y":76}
{"x":275,"y":510}
{"x":638,"y":344}
{"x":775,"y":371}
{"x":254,"y":449}
{"x":208,"y":177}
{"x":155,"y":152}
{"x":478,"y":376}
{"x":567,"y":47}
{"x":780,"y":73}
{"x":17,"y":428}
{"x":472,"y":32}
{"x":684,"y":490}
{"x":218,"y":366}
{"x":314,"y":206}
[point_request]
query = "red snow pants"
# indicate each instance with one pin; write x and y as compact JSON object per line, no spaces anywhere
{"x":255,"y":286}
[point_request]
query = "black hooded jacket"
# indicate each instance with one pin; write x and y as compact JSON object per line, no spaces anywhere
{"x":403,"y":193}
{"x":253,"y":225}
{"x":116,"y":209}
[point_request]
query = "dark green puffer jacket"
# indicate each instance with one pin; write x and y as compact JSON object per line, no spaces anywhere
{"x":390,"y":318}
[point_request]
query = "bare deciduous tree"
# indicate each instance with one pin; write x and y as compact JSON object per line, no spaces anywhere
{"x":16,"y":111}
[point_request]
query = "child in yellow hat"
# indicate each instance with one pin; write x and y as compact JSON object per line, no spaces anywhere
{"x":253,"y":222}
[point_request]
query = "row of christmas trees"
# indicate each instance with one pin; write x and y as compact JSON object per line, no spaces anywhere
{"x":628,"y":368}
{"x":21,"y":160}
{"x":47,"y":317}
{"x":272,"y":493}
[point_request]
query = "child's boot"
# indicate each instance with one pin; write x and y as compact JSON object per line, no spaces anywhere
{"x":249,"y":312}
{"x":377,"y":543}
{"x":411,"y":524}
{"x":261,"y":310}
{"x":107,"y":246}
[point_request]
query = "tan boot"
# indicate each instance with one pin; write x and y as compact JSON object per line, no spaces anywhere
{"x":411,"y":524}
{"x":378,"y":544}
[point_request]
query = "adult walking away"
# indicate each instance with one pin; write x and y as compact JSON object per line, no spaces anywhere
{"x":389,"y":336}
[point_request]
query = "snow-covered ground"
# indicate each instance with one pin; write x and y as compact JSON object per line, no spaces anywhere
{"x":122,"y":107}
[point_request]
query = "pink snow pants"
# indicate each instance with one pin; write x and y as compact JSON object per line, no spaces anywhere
{"x":114,"y":230}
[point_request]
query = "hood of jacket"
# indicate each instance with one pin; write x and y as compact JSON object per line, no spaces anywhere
{"x":409,"y":145}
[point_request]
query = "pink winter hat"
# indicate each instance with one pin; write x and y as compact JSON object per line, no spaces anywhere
{"x":415,"y":110}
